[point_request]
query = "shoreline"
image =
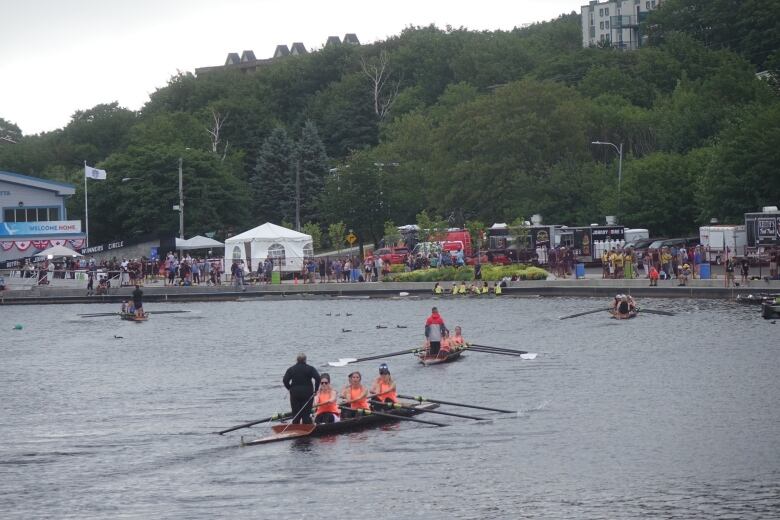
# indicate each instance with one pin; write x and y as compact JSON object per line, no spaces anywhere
{"x":587,"y":287}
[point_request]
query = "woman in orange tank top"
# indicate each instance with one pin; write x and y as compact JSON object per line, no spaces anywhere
{"x":325,"y":401}
{"x":457,"y":340}
{"x":446,"y":344}
{"x":383,"y":389}
{"x":355,"y":395}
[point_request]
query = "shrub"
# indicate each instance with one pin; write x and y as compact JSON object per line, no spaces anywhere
{"x":490,"y":273}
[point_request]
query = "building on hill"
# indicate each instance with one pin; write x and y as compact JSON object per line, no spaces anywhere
{"x":248,"y":62}
{"x":615,"y":22}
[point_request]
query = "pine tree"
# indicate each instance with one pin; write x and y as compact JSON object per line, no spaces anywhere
{"x":312,"y":162}
{"x":273,"y":180}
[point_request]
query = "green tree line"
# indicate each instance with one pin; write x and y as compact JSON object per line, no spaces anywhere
{"x":468,"y":126}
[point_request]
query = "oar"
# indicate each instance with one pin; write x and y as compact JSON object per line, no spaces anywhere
{"x":584,"y":313}
{"x":421,"y":399}
{"x":361,"y":411}
{"x":100,"y":315}
{"x":499,"y":350}
{"x":345,"y":361}
{"x":274,"y":417}
{"x":167,"y":312}
{"x":652,"y":311}
{"x":402,"y":407}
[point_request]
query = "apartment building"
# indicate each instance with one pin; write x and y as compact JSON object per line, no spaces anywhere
{"x":617,"y":22}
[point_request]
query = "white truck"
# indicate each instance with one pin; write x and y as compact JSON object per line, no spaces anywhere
{"x":715,"y":240}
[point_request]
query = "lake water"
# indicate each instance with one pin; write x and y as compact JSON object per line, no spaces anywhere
{"x":656,"y":417}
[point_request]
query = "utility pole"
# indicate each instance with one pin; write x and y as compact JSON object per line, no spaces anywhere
{"x":298,"y":195}
{"x":181,"y":203}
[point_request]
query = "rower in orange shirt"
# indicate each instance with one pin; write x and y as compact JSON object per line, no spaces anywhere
{"x":326,"y":402}
{"x":355,"y":395}
{"x":457,"y":341}
{"x":383,"y":389}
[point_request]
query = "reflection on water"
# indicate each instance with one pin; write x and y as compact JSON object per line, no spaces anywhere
{"x":671,"y":417}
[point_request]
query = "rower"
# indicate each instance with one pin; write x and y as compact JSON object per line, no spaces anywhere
{"x":446,"y":344}
{"x":124,"y":306}
{"x":457,"y":340}
{"x":383,"y":389}
{"x":355,"y":395}
{"x":326,"y":402}
{"x":437,"y":289}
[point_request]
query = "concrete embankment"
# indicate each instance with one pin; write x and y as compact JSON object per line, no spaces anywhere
{"x":588,"y":287}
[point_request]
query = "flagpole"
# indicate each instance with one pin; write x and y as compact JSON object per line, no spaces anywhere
{"x":86,"y":203}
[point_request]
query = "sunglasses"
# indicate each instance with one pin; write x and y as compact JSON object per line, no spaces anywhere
{"x":324,"y":382}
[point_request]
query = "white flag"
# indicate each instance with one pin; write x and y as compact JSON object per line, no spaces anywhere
{"x":94,"y":173}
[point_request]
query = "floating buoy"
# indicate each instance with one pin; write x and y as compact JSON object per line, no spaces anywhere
{"x":18,"y":326}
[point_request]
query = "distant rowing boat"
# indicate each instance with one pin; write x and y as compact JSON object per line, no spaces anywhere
{"x":128,"y":316}
{"x":283,"y":432}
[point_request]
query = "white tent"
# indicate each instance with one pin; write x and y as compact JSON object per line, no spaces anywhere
{"x":57,"y":252}
{"x":198,"y":242}
{"x":287,"y":248}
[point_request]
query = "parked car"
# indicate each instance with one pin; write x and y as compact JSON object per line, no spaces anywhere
{"x":639,"y":246}
{"x":392,"y":255}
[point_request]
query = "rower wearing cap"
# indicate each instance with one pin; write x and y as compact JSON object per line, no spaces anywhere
{"x":457,"y":340}
{"x":383,"y":389}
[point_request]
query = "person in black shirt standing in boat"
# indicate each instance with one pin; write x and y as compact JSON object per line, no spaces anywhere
{"x":302,"y":381}
{"x":138,"y":303}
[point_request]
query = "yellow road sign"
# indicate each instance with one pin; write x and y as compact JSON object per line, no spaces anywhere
{"x":351,"y":238}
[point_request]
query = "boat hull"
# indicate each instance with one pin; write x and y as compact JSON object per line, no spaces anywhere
{"x":126,"y":316}
{"x":346,"y":425}
{"x":427,"y":359}
{"x":770,"y":311}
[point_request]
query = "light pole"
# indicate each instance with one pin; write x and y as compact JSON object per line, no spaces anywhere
{"x":181,"y":203}
{"x":619,"y":150}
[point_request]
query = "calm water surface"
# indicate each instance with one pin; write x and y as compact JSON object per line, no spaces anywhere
{"x":656,"y":417}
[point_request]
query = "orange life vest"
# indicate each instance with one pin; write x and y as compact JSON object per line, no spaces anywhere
{"x":360,"y":404}
{"x":385,"y":393}
{"x":331,"y":407}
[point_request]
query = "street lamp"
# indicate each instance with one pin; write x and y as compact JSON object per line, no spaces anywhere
{"x":619,"y":150}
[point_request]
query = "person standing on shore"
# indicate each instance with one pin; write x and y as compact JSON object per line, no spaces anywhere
{"x":434,"y":331}
{"x":302,"y":381}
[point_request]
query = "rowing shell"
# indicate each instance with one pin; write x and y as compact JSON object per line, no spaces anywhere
{"x":428,"y":359}
{"x":132,"y":317}
{"x":284,"y":432}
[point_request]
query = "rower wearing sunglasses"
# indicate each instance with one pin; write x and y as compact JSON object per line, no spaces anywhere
{"x":383,"y":389}
{"x":326,"y":402}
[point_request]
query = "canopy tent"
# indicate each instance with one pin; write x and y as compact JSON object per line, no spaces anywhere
{"x":198,"y":242}
{"x":58,"y":251}
{"x":287,"y":248}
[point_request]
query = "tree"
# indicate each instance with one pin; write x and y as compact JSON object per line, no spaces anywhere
{"x":9,"y":132}
{"x":336,"y":234}
{"x":272,"y":182}
{"x":391,"y":234}
{"x":312,"y":164}
{"x":383,"y":91}
{"x":310,"y":228}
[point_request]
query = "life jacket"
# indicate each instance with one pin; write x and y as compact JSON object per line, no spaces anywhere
{"x":384,"y":395}
{"x":360,"y":404}
{"x":331,"y":407}
{"x":653,"y":273}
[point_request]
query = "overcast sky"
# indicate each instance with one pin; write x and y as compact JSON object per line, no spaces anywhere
{"x":59,"y":56}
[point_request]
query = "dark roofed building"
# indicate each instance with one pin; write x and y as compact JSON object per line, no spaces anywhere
{"x":298,"y":49}
{"x":351,"y":38}
{"x":333,"y":40}
{"x":232,"y":58}
{"x":248,"y":56}
{"x":281,"y":51}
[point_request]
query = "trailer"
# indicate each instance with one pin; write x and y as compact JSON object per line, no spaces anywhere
{"x":722,"y":241}
{"x":763,"y":228}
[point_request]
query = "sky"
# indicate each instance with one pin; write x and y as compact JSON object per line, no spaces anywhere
{"x":60,"y":56}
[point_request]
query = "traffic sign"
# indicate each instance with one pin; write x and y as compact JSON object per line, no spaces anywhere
{"x":352,"y":238}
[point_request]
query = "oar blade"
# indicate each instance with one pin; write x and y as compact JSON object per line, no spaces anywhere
{"x":282,"y":432}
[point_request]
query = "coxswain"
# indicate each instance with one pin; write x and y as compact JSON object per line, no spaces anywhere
{"x":383,"y":389}
{"x":355,"y":395}
{"x":326,"y":406}
{"x":138,"y":303}
{"x":302,"y":381}
{"x":434,"y":330}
